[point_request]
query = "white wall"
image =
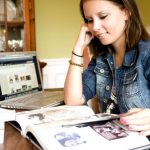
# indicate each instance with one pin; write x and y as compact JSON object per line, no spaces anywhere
{"x":54,"y":73}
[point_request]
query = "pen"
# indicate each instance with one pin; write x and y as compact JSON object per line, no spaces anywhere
{"x":74,"y":125}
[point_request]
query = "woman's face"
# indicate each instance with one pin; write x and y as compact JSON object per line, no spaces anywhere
{"x":106,"y":21}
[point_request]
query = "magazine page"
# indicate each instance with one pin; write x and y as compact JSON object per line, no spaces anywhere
{"x":107,"y":136}
{"x":60,"y":115}
{"x":117,"y":135}
{"x":55,"y":115}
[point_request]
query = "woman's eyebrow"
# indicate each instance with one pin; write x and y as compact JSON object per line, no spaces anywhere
{"x":99,"y":13}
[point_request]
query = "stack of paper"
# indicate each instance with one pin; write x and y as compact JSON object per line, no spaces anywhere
{"x":5,"y":115}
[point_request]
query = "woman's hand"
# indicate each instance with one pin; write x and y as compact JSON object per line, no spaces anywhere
{"x":84,"y":38}
{"x":137,"y":119}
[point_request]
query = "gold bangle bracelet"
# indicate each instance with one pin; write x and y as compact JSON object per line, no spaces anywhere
{"x":75,"y":64}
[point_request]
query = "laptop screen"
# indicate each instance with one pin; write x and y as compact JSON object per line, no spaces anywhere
{"x":19,"y":74}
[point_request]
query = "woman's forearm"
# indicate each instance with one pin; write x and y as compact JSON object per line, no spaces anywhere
{"x":73,"y":82}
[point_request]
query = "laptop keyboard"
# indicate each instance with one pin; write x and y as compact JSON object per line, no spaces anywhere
{"x":34,"y":98}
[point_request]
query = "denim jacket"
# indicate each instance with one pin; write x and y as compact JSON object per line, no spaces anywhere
{"x":132,"y":79}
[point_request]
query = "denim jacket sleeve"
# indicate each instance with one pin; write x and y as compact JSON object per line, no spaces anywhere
{"x":147,"y":68}
{"x":89,"y":81}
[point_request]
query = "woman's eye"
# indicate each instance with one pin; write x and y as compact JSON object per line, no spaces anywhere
{"x":89,"y":20}
{"x":103,"y":17}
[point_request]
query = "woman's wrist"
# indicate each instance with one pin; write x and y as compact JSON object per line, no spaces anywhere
{"x":78,"y":50}
{"x":75,"y":64}
{"x":77,"y":58}
{"x":76,"y":54}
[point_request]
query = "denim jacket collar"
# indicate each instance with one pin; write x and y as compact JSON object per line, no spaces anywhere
{"x":129,"y":59}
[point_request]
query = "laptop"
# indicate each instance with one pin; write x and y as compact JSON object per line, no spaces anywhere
{"x":21,"y":84}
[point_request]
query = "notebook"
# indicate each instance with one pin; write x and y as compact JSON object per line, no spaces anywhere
{"x":21,"y":84}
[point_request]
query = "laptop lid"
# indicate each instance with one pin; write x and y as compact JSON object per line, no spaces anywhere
{"x":19,"y":74}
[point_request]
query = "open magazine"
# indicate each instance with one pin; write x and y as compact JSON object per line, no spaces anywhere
{"x":74,"y":128}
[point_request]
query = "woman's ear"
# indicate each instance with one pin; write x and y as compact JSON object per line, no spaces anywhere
{"x":127,"y":13}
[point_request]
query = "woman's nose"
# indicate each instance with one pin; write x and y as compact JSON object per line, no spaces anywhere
{"x":96,"y":25}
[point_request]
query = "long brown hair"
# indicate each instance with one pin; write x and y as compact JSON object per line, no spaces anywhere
{"x":134,"y":31}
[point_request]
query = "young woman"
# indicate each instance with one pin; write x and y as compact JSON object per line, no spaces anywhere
{"x":119,"y":72}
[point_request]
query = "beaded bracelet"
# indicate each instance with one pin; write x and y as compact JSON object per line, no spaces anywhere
{"x":76,"y":54}
{"x":75,"y":64}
